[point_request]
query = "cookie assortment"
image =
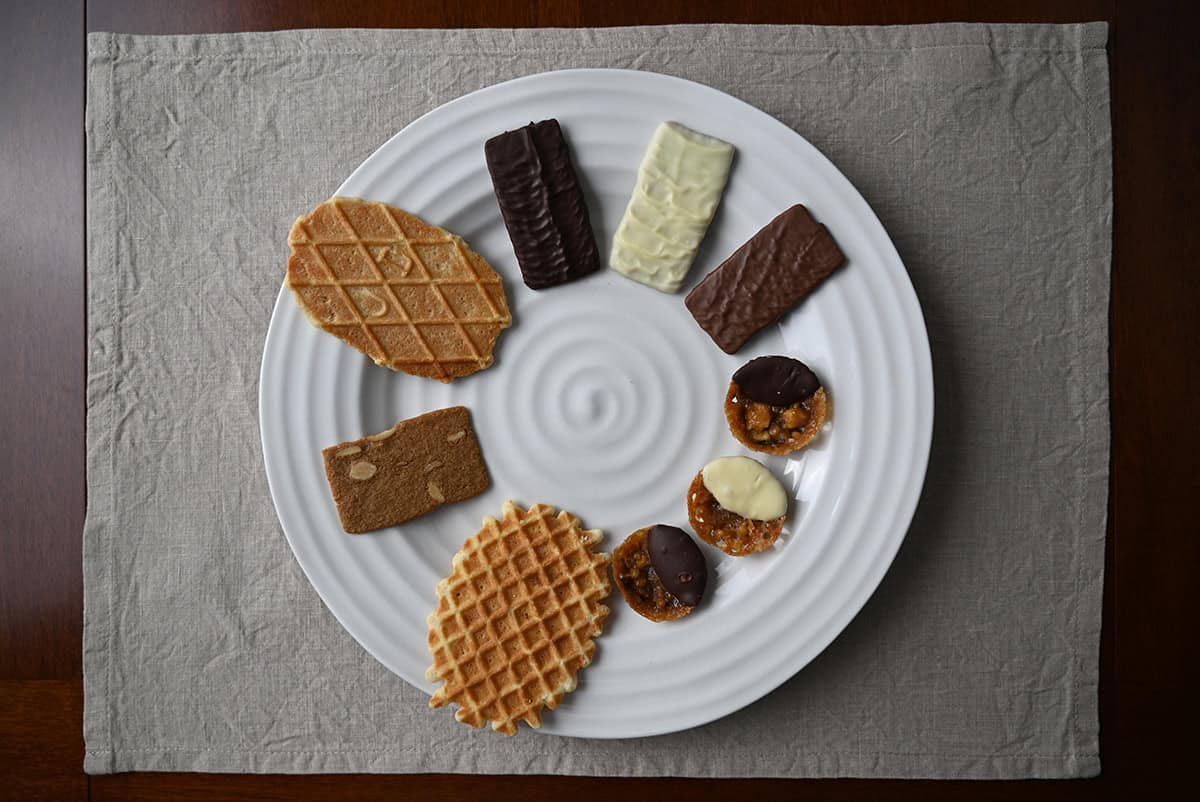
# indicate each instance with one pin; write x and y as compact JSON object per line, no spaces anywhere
{"x":517,"y":615}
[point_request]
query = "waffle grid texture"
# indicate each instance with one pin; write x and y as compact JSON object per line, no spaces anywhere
{"x":517,"y":616}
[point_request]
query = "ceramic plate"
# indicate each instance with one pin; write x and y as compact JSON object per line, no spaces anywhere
{"x":606,"y":398}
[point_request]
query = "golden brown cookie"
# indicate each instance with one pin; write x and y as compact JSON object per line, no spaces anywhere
{"x":410,"y":295}
{"x":661,"y":572}
{"x":776,"y":405}
{"x":743,"y":530}
{"x":517,"y":617}
{"x":413,"y":468}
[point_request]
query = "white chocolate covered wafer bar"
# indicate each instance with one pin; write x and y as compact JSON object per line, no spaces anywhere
{"x":679,"y":186}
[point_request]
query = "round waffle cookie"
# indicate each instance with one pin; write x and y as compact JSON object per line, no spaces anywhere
{"x":517,"y":617}
{"x":410,"y":295}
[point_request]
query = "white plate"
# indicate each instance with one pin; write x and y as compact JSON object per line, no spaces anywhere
{"x":606,"y":399}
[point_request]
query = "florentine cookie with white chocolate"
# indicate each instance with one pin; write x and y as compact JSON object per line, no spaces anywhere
{"x":413,"y":468}
{"x":735,"y":504}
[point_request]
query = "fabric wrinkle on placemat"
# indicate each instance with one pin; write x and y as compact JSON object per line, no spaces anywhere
{"x":984,"y":149}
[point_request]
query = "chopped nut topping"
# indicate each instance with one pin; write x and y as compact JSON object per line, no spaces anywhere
{"x":454,"y":438}
{"x":432,"y":466}
{"x":795,"y":417}
{"x":382,"y":435}
{"x":728,"y":531}
{"x":347,"y":451}
{"x":775,"y":429}
{"x":758,"y":416}
{"x":640,"y":584}
{"x":435,"y":493}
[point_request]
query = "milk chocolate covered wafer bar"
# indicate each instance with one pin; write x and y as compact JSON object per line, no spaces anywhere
{"x":773,"y":271}
{"x":542,"y":204}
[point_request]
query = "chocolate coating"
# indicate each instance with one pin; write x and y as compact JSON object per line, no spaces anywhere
{"x":773,"y":271}
{"x":777,"y":380}
{"x":678,"y":562}
{"x":542,"y":204}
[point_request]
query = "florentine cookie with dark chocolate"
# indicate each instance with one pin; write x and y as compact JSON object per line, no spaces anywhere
{"x":776,"y":404}
{"x":413,"y":468}
{"x":661,"y":572}
{"x":542,"y":204}
{"x":773,"y":271}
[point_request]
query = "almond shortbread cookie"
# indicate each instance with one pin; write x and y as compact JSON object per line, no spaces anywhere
{"x":413,"y":468}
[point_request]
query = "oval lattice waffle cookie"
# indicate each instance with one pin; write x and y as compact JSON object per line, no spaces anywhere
{"x":408,"y":294}
{"x":517,"y":617}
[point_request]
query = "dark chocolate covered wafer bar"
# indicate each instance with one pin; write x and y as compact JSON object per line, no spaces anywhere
{"x":542,"y":204}
{"x":773,"y":271}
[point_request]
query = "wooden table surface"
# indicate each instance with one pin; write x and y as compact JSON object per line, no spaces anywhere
{"x":1148,"y":699}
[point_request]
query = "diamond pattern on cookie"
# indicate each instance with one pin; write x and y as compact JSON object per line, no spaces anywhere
{"x":410,"y":295}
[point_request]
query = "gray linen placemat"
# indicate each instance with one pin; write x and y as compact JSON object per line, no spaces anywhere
{"x":985,"y":150}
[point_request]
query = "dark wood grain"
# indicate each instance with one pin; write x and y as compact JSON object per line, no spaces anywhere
{"x":1148,"y":692}
{"x":41,"y":743}
{"x":41,"y":339}
{"x":152,"y":16}
{"x":1149,"y":651}
{"x":451,"y":788}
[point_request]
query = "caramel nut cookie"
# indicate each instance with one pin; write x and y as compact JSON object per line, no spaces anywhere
{"x":735,"y":504}
{"x":661,"y":572}
{"x":776,"y":405}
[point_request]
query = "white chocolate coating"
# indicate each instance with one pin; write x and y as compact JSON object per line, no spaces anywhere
{"x":743,"y":486}
{"x":679,"y":186}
